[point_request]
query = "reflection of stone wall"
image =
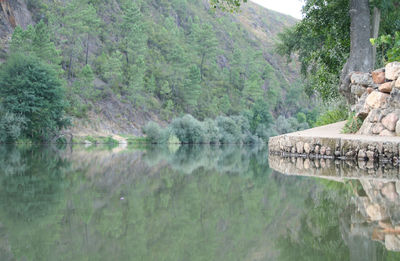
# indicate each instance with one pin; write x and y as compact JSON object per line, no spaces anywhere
{"x":333,"y":169}
{"x":376,"y":211}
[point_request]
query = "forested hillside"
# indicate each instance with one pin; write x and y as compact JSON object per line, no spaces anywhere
{"x":125,"y":62}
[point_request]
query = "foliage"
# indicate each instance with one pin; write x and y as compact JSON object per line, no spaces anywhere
{"x":390,"y":46}
{"x":155,"y":134}
{"x":30,"y":89}
{"x":189,"y":130}
{"x":11,"y":127}
{"x":332,"y":116}
{"x":164,"y":57}
{"x":353,"y":124}
{"x":322,"y":42}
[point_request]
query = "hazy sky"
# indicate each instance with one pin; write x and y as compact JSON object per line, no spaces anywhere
{"x":290,"y":7}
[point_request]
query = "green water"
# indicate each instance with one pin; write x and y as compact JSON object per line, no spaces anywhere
{"x":187,"y":203}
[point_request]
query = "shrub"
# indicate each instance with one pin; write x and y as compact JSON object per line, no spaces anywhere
{"x":189,"y":130}
{"x":155,"y":134}
{"x":31,"y":89}
{"x":353,"y":124}
{"x":332,"y":116}
{"x":11,"y":127}
{"x":211,"y":131}
{"x":229,"y":130}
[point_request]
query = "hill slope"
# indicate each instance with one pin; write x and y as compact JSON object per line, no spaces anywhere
{"x":125,"y":62}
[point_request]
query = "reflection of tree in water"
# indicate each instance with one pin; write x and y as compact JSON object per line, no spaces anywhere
{"x":233,"y":159}
{"x":31,"y":182}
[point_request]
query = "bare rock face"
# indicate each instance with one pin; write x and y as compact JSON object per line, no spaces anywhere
{"x":390,"y":121}
{"x":392,"y":71}
{"x":376,"y":99}
{"x":378,"y":76}
{"x":397,"y":128}
{"x":386,"y":87}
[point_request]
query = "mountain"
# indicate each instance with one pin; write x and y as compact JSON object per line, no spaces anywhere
{"x":127,"y":62}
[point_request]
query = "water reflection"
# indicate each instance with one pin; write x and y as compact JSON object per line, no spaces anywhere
{"x":370,"y":214}
{"x":186,"y":203}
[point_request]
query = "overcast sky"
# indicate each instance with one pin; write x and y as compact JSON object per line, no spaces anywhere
{"x":290,"y":7}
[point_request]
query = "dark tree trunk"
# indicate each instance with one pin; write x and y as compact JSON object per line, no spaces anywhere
{"x":360,"y":58}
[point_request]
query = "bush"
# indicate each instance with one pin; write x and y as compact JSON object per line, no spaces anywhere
{"x":11,"y":127}
{"x":155,"y":134}
{"x":229,"y":130}
{"x":211,"y":131}
{"x":332,"y":116}
{"x":353,"y":124}
{"x":189,"y":130}
{"x":31,"y":89}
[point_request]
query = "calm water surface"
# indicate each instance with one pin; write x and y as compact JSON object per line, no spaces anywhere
{"x":187,"y":203}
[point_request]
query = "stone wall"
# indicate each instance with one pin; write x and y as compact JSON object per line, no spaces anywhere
{"x":377,"y":100}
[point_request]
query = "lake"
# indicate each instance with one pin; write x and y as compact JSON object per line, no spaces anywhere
{"x":188,"y":203}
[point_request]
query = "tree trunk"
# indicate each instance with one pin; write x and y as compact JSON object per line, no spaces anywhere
{"x":360,"y":58}
{"x":376,"y":19}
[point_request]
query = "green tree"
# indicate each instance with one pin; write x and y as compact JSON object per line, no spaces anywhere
{"x":205,"y":43}
{"x":30,"y":89}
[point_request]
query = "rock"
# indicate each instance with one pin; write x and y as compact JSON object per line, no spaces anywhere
{"x":366,"y":128}
{"x":361,"y":154}
{"x":390,"y":121}
{"x":377,"y":128}
{"x":369,"y":90}
{"x":328,"y":151}
{"x":386,"y":87}
{"x":317,"y":148}
{"x":307,"y":148}
{"x":357,"y":90}
{"x":350,"y":154}
{"x":376,"y":99}
{"x":323,"y":150}
{"x":300,"y":147}
{"x":397,"y":128}
{"x":360,"y":78}
{"x":375,"y":116}
{"x":370,"y":155}
{"x":389,"y":191}
{"x":375,"y":212}
{"x":392,"y":242}
{"x":392,"y":70}
{"x":397,"y":83}
{"x":387,"y":133}
{"x":378,"y":76}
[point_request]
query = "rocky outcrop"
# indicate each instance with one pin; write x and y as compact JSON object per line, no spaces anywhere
{"x":377,"y":96}
{"x":12,"y":13}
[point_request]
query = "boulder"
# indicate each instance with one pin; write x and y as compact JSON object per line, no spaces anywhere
{"x":392,"y":71}
{"x":300,"y":147}
{"x":376,"y":99}
{"x":386,"y":87}
{"x":360,"y":78}
{"x":387,"y":133}
{"x":307,"y":148}
{"x":390,"y":121}
{"x":389,"y":191}
{"x":397,"y":128}
{"x":369,"y":90}
{"x":377,"y":128}
{"x":357,"y":90}
{"x":378,"y":76}
{"x":397,"y":83}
